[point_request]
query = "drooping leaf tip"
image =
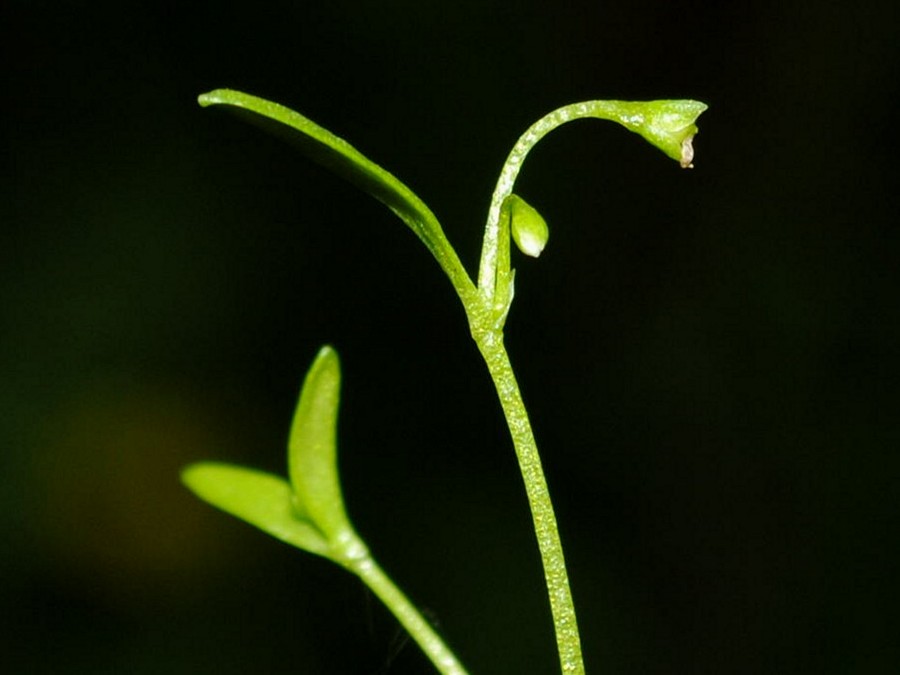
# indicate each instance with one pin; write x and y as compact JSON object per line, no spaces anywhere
{"x":670,"y":125}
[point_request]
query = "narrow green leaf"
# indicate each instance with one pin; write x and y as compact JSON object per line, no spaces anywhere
{"x":258,"y":498}
{"x":312,"y":447}
{"x":338,"y":155}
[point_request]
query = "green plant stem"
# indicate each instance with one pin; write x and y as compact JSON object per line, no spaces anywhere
{"x":562,"y":608}
{"x":407,"y":614}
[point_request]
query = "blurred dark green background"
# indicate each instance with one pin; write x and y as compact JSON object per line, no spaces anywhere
{"x":710,"y":356}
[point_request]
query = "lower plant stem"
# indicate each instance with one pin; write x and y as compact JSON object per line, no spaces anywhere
{"x":561,"y":606}
{"x":409,"y":617}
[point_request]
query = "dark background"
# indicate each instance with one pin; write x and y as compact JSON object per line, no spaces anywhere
{"x":710,"y":357}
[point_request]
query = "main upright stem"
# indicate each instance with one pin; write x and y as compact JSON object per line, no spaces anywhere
{"x":561,"y":606}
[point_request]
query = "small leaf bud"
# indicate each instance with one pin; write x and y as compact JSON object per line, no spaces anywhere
{"x":529,"y":229}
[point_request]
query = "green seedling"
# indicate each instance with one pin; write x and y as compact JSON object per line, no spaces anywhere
{"x":307,"y":511}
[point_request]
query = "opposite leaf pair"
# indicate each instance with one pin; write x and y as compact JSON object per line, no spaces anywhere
{"x":309,"y":511}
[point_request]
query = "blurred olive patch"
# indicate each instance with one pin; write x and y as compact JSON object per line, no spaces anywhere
{"x":108,"y":509}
